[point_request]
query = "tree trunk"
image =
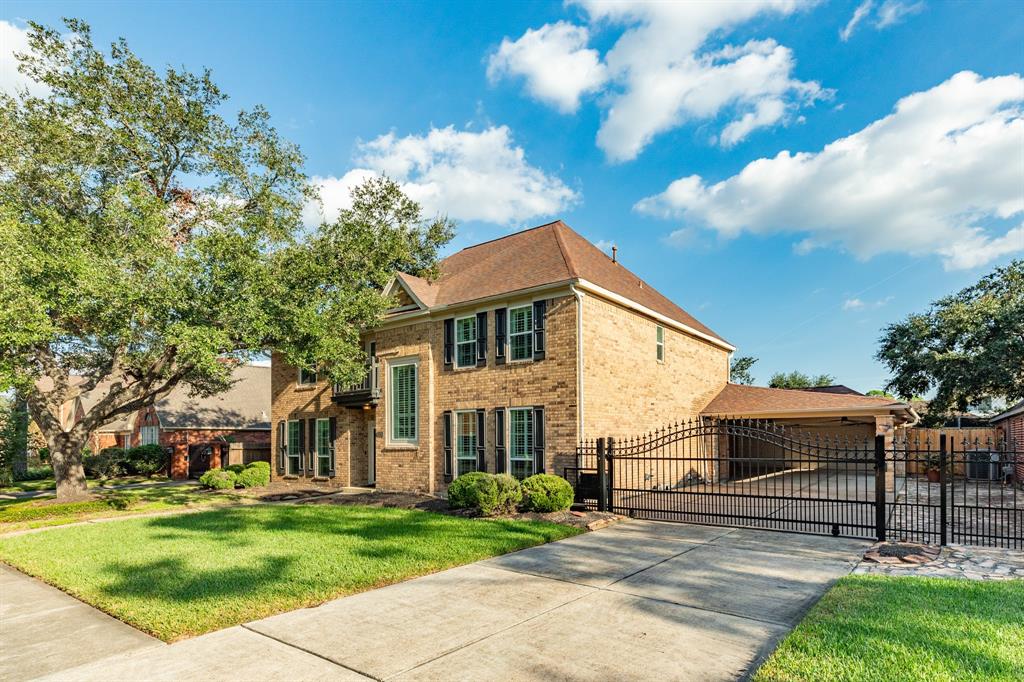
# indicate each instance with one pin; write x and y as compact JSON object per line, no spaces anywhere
{"x":66,"y":456}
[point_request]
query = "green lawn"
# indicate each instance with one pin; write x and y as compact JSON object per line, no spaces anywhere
{"x":870,"y":628}
{"x":35,"y":513}
{"x":186,"y":574}
{"x":50,"y":484}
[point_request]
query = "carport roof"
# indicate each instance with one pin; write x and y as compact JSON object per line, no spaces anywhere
{"x":736,"y":400}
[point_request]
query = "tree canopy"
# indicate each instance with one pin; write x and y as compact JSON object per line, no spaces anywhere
{"x":797,"y":379}
{"x":968,"y":347}
{"x":148,"y":241}
{"x":739,"y":370}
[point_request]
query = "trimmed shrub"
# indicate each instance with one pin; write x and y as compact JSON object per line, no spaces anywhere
{"x":264,"y":466}
{"x":547,"y":493}
{"x":33,"y":474}
{"x":219,"y":479}
{"x":145,"y":460}
{"x":462,"y":493}
{"x":237,"y":468}
{"x":106,"y":463}
{"x":506,"y":496}
{"x":254,"y":476}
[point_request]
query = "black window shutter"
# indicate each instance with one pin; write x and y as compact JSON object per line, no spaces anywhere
{"x":302,"y":443}
{"x":312,"y":448}
{"x":334,"y":436}
{"x":481,"y":339}
{"x":481,"y":442}
{"x":499,"y":440}
{"x":282,"y":446}
{"x":538,"y":440}
{"x":500,"y":329}
{"x":449,"y":342}
{"x":447,"y":445}
{"x":540,"y":311}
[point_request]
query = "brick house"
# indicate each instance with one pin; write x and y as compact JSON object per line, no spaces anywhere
{"x":520,"y":348}
{"x":198,"y":433}
{"x":1010,"y":425}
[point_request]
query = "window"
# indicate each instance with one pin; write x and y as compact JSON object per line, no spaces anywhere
{"x":465,"y":342}
{"x":306,"y":377}
{"x":149,"y":435}
{"x":323,"y":447}
{"x":660,"y":344}
{"x":465,"y":442}
{"x":294,"y":447}
{"x":403,"y":403}
{"x":520,"y":452}
{"x":520,"y":332}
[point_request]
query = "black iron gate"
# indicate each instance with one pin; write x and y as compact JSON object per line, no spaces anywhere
{"x":754,"y":473}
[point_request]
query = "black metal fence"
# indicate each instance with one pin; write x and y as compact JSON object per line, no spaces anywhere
{"x":754,"y":473}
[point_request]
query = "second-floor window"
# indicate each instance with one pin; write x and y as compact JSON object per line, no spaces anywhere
{"x":149,"y":435}
{"x":403,"y":402}
{"x":306,"y":377}
{"x":465,"y":342}
{"x":660,"y":344}
{"x":520,"y":332}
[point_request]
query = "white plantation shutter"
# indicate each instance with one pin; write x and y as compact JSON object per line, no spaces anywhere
{"x":403,"y":402}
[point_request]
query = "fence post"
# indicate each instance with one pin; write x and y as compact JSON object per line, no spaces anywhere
{"x":609,"y":455}
{"x":942,"y":490}
{"x":602,"y":477}
{"x":880,"y":488}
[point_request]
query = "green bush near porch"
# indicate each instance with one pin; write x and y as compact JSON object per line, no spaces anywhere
{"x":869,"y":628}
{"x":186,"y":574}
{"x":547,"y":493}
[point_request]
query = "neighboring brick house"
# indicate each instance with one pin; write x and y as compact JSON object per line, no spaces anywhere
{"x":198,"y":433}
{"x":523,"y":346}
{"x":1011,"y":425}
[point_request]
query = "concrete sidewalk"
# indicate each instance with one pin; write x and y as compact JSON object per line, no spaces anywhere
{"x":640,"y":600}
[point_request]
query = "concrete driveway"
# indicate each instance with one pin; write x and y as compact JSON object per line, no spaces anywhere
{"x":641,"y":600}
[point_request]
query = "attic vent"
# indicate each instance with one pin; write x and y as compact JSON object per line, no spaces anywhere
{"x":641,"y":283}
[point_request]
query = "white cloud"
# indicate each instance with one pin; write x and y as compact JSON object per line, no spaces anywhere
{"x":15,"y":40}
{"x":466,"y":175}
{"x":858,"y":15}
{"x":335,"y":195}
{"x":853,"y":304}
{"x":893,"y":11}
{"x":554,"y":59}
{"x":932,"y":177}
{"x":662,"y":72}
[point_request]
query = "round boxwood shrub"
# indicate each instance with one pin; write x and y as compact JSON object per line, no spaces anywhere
{"x":502,"y":496}
{"x":237,"y":468}
{"x":145,"y":460}
{"x":462,"y":492}
{"x":254,"y":476}
{"x":259,"y":465}
{"x":547,"y":493}
{"x":219,"y":479}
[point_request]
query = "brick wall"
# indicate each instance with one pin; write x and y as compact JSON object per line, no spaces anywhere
{"x":627,"y":391}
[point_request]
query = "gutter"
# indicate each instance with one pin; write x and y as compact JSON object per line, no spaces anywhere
{"x":579,"y":361}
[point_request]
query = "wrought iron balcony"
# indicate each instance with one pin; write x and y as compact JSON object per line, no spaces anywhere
{"x":362,"y":393}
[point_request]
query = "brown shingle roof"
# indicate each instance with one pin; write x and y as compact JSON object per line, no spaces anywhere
{"x":547,"y":254}
{"x":738,"y":400}
{"x":834,"y":388}
{"x":246,"y":405}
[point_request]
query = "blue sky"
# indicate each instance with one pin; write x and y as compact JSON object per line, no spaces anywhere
{"x":747,"y":159}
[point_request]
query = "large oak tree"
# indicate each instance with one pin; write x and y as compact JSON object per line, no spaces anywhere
{"x":148,"y":242}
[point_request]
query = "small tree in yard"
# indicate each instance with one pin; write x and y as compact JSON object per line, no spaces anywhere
{"x":968,"y":347}
{"x":146,"y":242}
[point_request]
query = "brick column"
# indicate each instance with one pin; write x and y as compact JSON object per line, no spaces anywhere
{"x":179,"y":461}
{"x":885,"y":426}
{"x":215,"y":456}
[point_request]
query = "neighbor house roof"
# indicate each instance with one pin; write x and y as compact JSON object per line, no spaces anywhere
{"x":1012,"y":412}
{"x":549,"y":254}
{"x":834,"y":388}
{"x":739,"y":401}
{"x":246,"y":405}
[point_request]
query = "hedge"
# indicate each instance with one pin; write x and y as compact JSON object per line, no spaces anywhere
{"x":547,"y":493}
{"x":219,"y":479}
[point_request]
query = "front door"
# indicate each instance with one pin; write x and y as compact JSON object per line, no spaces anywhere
{"x":199,"y":457}
{"x":371,"y":449}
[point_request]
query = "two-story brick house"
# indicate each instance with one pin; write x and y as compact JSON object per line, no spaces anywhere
{"x":521,"y":347}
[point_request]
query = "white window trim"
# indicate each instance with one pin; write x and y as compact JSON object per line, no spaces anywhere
{"x":508,"y":332}
{"x":455,"y":445}
{"x":300,"y":382}
{"x":508,"y":438}
{"x":316,"y":430}
{"x":143,"y":430}
{"x":659,"y":345}
{"x":288,"y":448}
{"x":389,"y":441}
{"x":476,"y":335}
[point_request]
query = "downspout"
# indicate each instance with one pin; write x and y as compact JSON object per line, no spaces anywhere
{"x":579,"y":360}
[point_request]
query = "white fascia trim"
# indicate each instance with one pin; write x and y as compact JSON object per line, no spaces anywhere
{"x":667,"y":321}
{"x":403,"y":318}
{"x":396,"y":280}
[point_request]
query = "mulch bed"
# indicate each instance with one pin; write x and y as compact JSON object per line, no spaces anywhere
{"x":587,"y":520}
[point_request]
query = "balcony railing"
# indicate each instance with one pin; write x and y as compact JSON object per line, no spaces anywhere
{"x":361,"y":393}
